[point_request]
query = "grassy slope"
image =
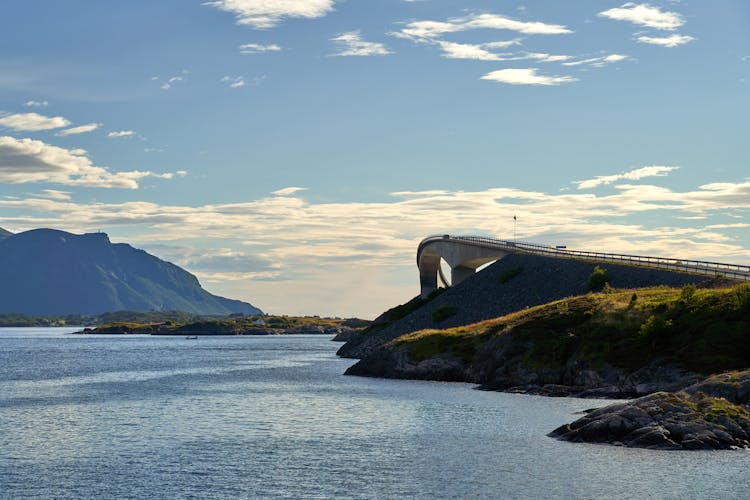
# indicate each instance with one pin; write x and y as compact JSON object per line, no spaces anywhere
{"x":704,"y":330}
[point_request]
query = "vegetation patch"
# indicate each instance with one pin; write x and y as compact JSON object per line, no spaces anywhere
{"x":425,"y":344}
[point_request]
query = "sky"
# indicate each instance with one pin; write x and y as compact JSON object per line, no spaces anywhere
{"x":293,"y":153}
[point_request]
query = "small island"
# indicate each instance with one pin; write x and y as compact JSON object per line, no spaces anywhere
{"x":236,"y":324}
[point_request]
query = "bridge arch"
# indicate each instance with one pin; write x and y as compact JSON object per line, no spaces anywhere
{"x":463,"y":257}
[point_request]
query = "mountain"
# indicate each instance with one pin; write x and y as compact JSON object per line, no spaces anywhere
{"x":4,"y":233}
{"x":50,"y":272}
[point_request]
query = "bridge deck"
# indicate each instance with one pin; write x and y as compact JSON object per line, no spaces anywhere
{"x":705,"y":268}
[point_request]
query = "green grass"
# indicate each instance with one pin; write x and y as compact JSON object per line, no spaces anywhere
{"x":703,"y":330}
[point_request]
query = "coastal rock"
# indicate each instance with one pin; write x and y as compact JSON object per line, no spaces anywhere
{"x":733,"y":386}
{"x":398,"y":364}
{"x":664,"y":421}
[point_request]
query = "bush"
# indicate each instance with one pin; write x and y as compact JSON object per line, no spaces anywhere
{"x":687,"y":294}
{"x":633,"y":300}
{"x":598,"y":279}
{"x":442,"y":313}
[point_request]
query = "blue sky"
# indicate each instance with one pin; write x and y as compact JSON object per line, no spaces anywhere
{"x":293,"y":153}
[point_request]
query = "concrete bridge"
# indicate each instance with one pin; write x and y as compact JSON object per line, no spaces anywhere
{"x":464,"y":254}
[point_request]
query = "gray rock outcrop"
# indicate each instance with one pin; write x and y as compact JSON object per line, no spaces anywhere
{"x":664,"y":421}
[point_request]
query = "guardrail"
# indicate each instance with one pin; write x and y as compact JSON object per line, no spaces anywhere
{"x":734,"y":271}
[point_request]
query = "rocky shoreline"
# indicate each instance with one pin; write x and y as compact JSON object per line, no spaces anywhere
{"x":655,"y":345}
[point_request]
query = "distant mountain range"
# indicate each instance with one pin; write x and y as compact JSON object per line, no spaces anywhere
{"x":50,"y":272}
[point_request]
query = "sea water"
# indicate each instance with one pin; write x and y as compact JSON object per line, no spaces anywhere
{"x":245,"y":417}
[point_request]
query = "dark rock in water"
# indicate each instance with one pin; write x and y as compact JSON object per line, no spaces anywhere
{"x":664,"y":421}
{"x":49,"y":272}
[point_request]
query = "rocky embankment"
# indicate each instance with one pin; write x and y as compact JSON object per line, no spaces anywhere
{"x":511,"y":284}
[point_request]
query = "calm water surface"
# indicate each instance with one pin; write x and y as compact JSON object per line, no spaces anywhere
{"x":239,"y":417}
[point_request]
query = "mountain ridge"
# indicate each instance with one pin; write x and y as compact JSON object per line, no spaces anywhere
{"x":47,"y":271}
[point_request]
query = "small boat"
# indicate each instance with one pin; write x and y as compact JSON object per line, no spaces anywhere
{"x":191,"y":337}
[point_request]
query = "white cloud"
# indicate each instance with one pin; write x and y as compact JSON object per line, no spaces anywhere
{"x":453,"y":50}
{"x":479,"y":52}
{"x":501,"y":44}
{"x":542,"y":57}
{"x":639,"y":173}
{"x":319,"y":242}
{"x":430,"y":30}
{"x":330,"y":246}
{"x":81,"y":129}
{"x":32,"y":122}
{"x":261,"y":14}
{"x":525,"y":76}
{"x":36,"y":104}
{"x":234,"y":82}
{"x":352,"y":44}
{"x":28,"y":160}
{"x":257,"y":48}
{"x":172,"y":79}
{"x":598,"y":61}
{"x":667,"y":41}
{"x":55,"y":194}
{"x":121,"y":133}
{"x":288,"y":191}
{"x":645,"y":15}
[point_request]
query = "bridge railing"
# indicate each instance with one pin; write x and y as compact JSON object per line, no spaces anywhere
{"x":684,"y":265}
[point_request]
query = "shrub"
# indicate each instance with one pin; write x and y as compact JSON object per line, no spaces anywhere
{"x":598,"y":279}
{"x":510,"y":273}
{"x":687,"y":294}
{"x":442,"y":313}
{"x":633,"y":300}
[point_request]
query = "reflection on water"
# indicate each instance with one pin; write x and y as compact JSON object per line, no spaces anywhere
{"x":140,"y":417}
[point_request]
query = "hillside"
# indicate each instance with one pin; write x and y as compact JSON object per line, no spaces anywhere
{"x":619,"y":344}
{"x":510,"y":284}
{"x":50,"y":272}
